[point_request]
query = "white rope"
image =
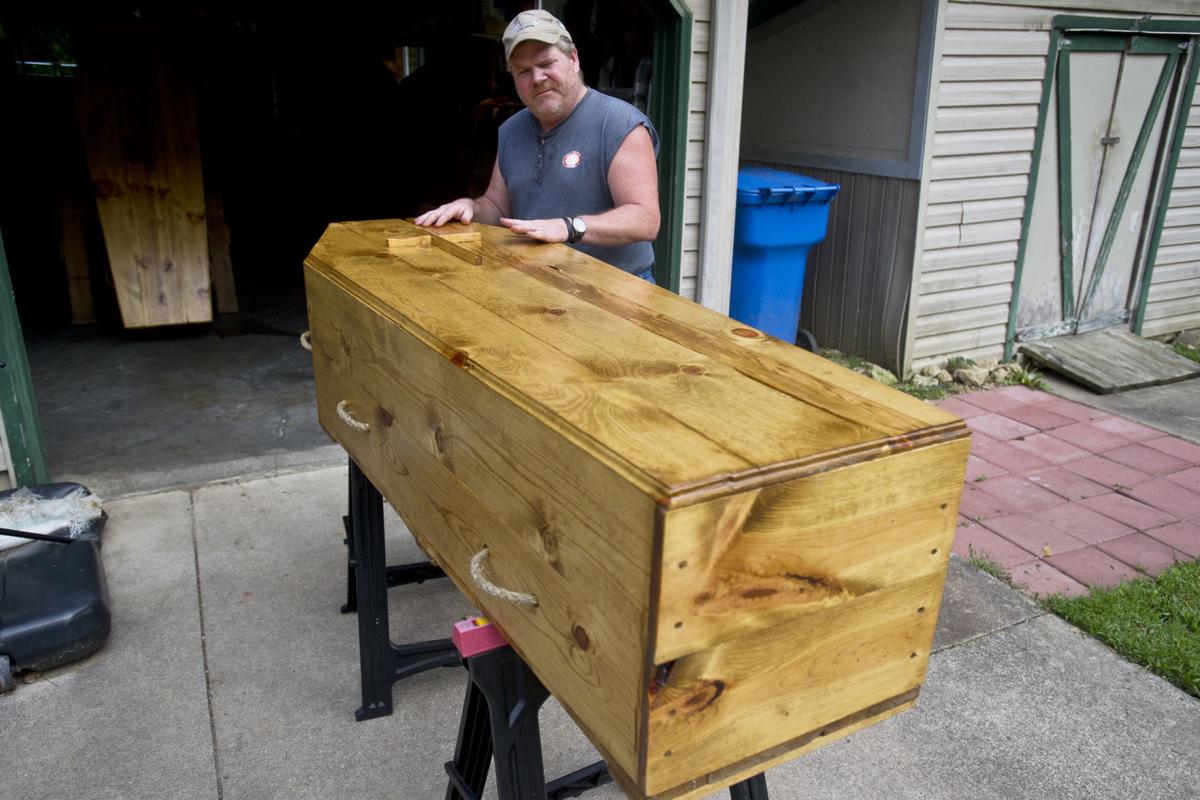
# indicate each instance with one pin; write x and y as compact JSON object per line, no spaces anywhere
{"x":306,"y":340}
{"x":349,"y":420}
{"x":497,"y":591}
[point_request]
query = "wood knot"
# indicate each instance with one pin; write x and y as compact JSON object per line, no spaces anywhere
{"x":440,"y":440}
{"x":582,"y":640}
{"x":556,"y":312}
{"x":693,"y":369}
{"x":384,"y":417}
{"x":549,"y":540}
{"x":459,"y":358}
{"x":746,"y":333}
{"x":753,"y":594}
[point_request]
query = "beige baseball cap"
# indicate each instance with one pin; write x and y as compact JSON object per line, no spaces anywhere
{"x":537,"y":26}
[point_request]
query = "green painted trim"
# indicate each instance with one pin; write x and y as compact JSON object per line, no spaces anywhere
{"x":1135,"y":163}
{"x":669,"y":112}
{"x":18,"y":406}
{"x":1030,"y":193}
{"x":1156,"y":45}
{"x":1185,"y":107}
{"x":1095,"y":42}
{"x":1075,"y":21}
{"x":1066,"y":227}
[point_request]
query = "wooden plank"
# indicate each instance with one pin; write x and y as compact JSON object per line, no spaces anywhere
{"x":74,"y":251}
{"x":138,"y":117}
{"x":1111,"y":360}
{"x":224,"y":286}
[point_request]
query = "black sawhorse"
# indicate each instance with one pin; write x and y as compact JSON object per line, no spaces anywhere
{"x":368,"y":579}
{"x":500,"y":718}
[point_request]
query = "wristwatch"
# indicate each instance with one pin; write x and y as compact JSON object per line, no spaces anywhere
{"x":576,"y":228}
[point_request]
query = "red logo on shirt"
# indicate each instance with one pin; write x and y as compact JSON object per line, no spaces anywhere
{"x":572,"y":159}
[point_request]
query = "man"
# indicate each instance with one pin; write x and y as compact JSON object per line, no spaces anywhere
{"x":575,"y":165}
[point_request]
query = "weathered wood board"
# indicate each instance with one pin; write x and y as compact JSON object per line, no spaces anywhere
{"x":737,"y":548}
{"x":1111,"y":360}
{"x":137,"y":113}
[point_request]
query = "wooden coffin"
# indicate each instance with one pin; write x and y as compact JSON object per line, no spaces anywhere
{"x":737,"y":548}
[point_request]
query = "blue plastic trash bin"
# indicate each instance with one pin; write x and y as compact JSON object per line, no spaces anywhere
{"x":780,"y":215}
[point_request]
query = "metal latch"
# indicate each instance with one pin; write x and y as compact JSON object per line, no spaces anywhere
{"x":1107,"y":140}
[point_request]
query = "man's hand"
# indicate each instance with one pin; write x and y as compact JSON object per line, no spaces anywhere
{"x":462,"y":209}
{"x":543,"y":230}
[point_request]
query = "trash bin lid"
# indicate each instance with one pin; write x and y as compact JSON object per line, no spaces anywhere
{"x":759,"y":185}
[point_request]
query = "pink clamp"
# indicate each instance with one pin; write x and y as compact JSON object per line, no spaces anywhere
{"x":475,"y":635}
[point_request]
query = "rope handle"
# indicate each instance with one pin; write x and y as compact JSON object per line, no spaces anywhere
{"x":488,"y":587}
{"x":306,"y":340}
{"x":349,"y":420}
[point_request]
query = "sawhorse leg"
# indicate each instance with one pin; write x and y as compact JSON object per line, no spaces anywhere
{"x":500,"y":720}
{"x":397,"y":574}
{"x":382,"y":662}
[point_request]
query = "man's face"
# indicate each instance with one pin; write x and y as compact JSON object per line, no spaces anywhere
{"x":547,"y":80}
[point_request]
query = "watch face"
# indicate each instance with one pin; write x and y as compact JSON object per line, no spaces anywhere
{"x":579,"y":225}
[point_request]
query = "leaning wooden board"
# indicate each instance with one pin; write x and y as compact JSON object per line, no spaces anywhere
{"x":737,"y":548}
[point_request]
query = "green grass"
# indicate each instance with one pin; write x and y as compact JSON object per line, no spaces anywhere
{"x":1028,"y":377}
{"x":1187,"y":352}
{"x":984,"y":564}
{"x":924,"y":392}
{"x":1154,"y":622}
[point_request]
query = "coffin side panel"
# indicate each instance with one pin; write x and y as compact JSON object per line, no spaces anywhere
{"x":466,"y":469}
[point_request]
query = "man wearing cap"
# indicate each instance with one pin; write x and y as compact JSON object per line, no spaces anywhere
{"x":574,"y":165}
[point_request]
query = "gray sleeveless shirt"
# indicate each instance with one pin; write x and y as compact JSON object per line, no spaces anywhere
{"x":565,"y":172}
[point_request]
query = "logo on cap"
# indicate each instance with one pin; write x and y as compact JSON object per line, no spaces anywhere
{"x":572,"y":159}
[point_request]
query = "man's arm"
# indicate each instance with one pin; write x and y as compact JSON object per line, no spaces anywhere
{"x":633,"y":182}
{"x":487,"y":208}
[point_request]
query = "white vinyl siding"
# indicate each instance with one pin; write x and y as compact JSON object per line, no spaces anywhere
{"x":697,"y":111}
{"x":1173,"y":303}
{"x":989,"y":88}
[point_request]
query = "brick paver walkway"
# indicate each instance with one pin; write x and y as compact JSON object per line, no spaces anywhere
{"x":1065,"y":496}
